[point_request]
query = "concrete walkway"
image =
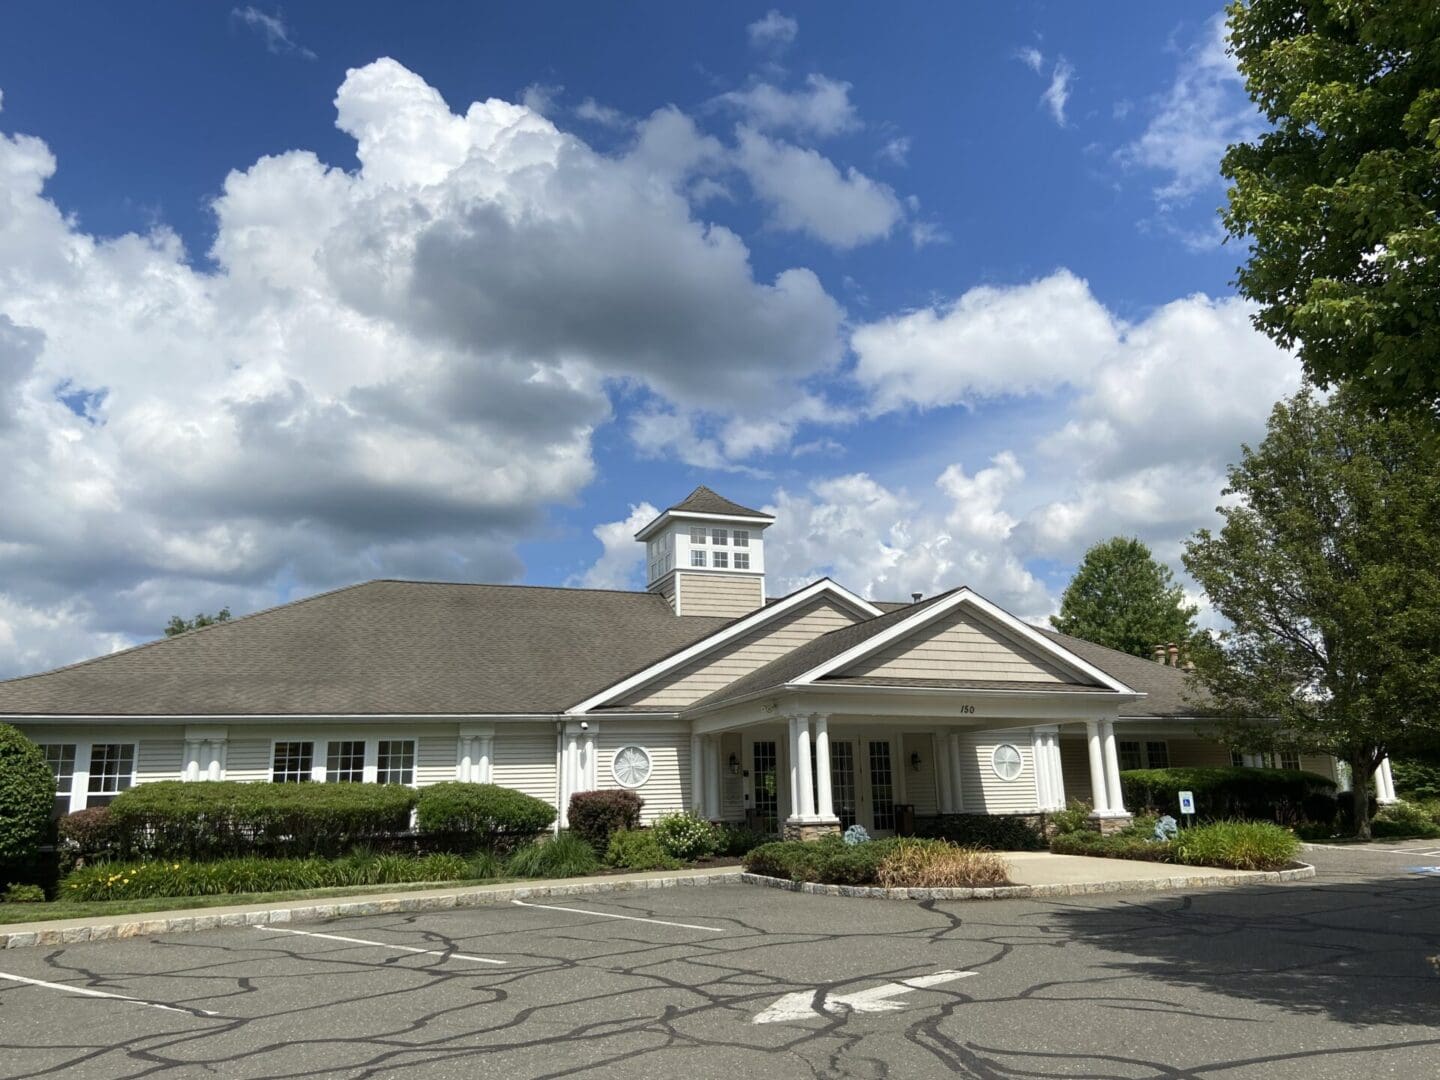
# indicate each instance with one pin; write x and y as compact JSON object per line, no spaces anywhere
{"x":1042,"y":868}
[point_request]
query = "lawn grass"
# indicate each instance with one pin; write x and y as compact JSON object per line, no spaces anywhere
{"x":82,"y":909}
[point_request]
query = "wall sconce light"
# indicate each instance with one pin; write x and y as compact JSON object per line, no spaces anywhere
{"x":734,"y":765}
{"x":915,"y":761}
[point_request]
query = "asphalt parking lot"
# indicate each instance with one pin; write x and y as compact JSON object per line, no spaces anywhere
{"x":1332,"y":978}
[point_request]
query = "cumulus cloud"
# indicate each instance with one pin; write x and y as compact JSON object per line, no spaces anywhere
{"x":772,"y":31}
{"x":807,"y":193}
{"x":272,"y":27}
{"x":822,"y":108}
{"x":388,"y":371}
{"x":1205,"y":110}
{"x":621,"y":564}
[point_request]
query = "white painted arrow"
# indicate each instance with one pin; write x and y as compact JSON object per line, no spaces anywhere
{"x":802,"y":1005}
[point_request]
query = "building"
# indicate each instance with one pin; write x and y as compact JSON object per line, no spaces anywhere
{"x":810,"y":711}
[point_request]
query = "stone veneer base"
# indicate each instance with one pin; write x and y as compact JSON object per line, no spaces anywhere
{"x":810,"y":830}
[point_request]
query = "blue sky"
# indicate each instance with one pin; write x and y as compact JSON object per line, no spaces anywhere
{"x":940,"y":283}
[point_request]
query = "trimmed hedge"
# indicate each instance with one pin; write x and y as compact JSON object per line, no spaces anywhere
{"x":140,"y":880}
{"x":1115,"y":846}
{"x":596,"y":815}
{"x":27,"y":797}
{"x":1281,"y":795}
{"x":989,"y":832}
{"x":480,"y":815}
{"x":172,"y":819}
{"x":829,"y":860}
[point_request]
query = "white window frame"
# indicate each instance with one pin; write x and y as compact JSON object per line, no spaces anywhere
{"x":720,"y":537}
{"x":742,"y":560}
{"x":697,"y":559}
{"x":698,"y":534}
{"x":134,"y":746}
{"x":69,"y":793}
{"x":317,"y":768}
{"x":1281,"y":755}
{"x":720,"y":560}
{"x":1139,"y":753}
{"x":995,"y":764}
{"x":373,"y":758}
{"x":364,"y":755}
{"x":740,"y":537}
{"x":649,"y":766}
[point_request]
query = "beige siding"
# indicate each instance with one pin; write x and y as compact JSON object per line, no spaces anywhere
{"x":727,"y":595}
{"x":959,"y":647}
{"x":984,"y":791}
{"x":667,"y":791}
{"x":247,"y":757}
{"x":158,"y":759}
{"x":1187,"y":753}
{"x":524,"y":759}
{"x":732,"y":788}
{"x":666,"y":588}
{"x":920,"y":783}
{"x":435,"y":758}
{"x":723,"y":666}
{"x":1075,"y":767}
{"x":1323,"y":764}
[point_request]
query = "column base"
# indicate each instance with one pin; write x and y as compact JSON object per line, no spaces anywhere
{"x":810,"y":828}
{"x":1110,"y":822}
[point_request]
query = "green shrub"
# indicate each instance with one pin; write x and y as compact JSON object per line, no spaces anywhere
{"x":172,"y":819}
{"x":88,"y":834}
{"x":992,"y":832}
{"x":1074,"y":818}
{"x":1237,"y":845}
{"x":686,"y":837}
{"x":27,"y":797}
{"x":829,"y":861}
{"x":1404,"y":819}
{"x":565,"y":855}
{"x":737,"y":840}
{"x":140,"y":880}
{"x":595,"y":815}
{"x":1223,"y":793}
{"x":937,"y":864}
{"x":1113,"y":846}
{"x":23,"y":894}
{"x":1417,"y":778}
{"x":479,"y":815}
{"x":638,"y":849}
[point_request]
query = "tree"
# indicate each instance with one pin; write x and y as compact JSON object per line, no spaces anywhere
{"x":1339,"y":199}
{"x":1328,"y":570}
{"x":27,"y":795}
{"x":177,"y":625}
{"x":1121,"y":597}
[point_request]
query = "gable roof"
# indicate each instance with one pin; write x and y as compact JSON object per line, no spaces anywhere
{"x":1166,"y":689}
{"x":379,"y":648}
{"x":704,"y":501}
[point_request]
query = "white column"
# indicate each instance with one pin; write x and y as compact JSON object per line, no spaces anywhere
{"x":824,"y":798}
{"x":1042,"y":769}
{"x":204,"y":754}
{"x":940,"y":767}
{"x":1057,"y":771}
{"x":955,"y":763}
{"x":571,"y":760}
{"x":484,"y":764}
{"x":807,"y":774}
{"x":190,"y":767}
{"x":697,"y":775}
{"x":1385,"y":783}
{"x":795,"y":767}
{"x":1113,"y":794}
{"x":1095,"y":741}
{"x":589,"y":774}
{"x":712,"y":777}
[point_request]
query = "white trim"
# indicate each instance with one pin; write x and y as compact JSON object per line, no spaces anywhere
{"x":649,"y":765}
{"x":1020,"y":761}
{"x":755,"y":619}
{"x":964,"y":595}
{"x":666,"y":516}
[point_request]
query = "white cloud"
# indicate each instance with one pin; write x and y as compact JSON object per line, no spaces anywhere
{"x":896,"y":151}
{"x":1032,"y":58}
{"x":807,"y":193}
{"x":1203,"y":113}
{"x":621,"y":564}
{"x":1057,"y":94}
{"x":604,"y":115}
{"x":772,"y":31}
{"x":823,"y":108}
{"x":541,"y":97}
{"x":388,"y":371}
{"x":271,"y":26}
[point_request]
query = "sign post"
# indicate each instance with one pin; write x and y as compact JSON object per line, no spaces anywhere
{"x":1187,"y":806}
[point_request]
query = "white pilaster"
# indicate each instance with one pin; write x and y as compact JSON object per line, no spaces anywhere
{"x":697,"y":775}
{"x":955,"y":763}
{"x":1042,"y":769}
{"x":795,"y":811}
{"x":1385,"y":783}
{"x":1113,"y":793}
{"x":712,"y":777}
{"x":1095,"y":742}
{"x":940,"y":766}
{"x":473,"y":755}
{"x":824,"y":797}
{"x":204,"y":754}
{"x":807,"y":772}
{"x":1057,"y":770}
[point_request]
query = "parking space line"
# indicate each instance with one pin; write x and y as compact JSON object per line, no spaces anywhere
{"x":384,"y":945}
{"x":88,"y":992}
{"x":627,"y":918}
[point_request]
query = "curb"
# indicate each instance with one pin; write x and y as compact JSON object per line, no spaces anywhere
{"x":477,"y":897}
{"x":1304,"y":872}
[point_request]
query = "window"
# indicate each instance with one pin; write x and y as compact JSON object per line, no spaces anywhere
{"x":1290,"y":759}
{"x":112,"y":770}
{"x":61,"y":759}
{"x":742,"y":560}
{"x":1157,"y":755}
{"x":1129,"y":754}
{"x":697,"y":534}
{"x":1237,"y":759}
{"x":740,"y":537}
{"x":345,"y":762}
{"x":719,"y":536}
{"x":1006,"y":761}
{"x":697,"y":558}
{"x":630,"y":766}
{"x":720,"y":560}
{"x":395,"y":761}
{"x":291,"y":763}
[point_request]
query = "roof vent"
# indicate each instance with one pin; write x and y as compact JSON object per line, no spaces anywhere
{"x":915,"y":597}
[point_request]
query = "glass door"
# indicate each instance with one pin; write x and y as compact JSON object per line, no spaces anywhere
{"x":882,"y":786}
{"x":842,"y":781}
{"x":765,"y":782}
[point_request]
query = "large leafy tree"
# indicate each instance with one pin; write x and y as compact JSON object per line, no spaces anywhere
{"x":1340,"y":198}
{"x":177,"y":625}
{"x":1328,"y":570}
{"x":1122,"y":597}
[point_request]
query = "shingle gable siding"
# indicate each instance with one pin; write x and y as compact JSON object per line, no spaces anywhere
{"x":727,"y":596}
{"x":959,"y":646}
{"x":717,"y":670}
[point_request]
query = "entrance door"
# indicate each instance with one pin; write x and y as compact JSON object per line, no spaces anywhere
{"x":862,"y":783}
{"x":765,"y":784}
{"x":842,"y":781}
{"x":882,"y":785}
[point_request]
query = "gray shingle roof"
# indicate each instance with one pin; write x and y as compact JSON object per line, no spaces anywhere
{"x":1165,"y":688}
{"x":383,"y":647}
{"x":704,"y":501}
